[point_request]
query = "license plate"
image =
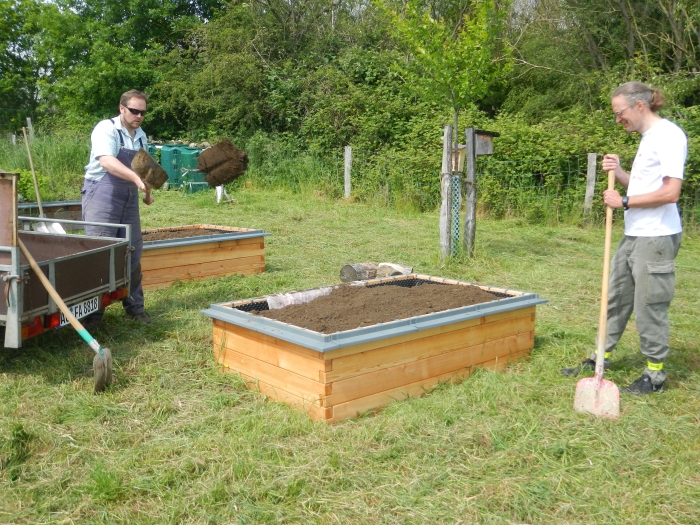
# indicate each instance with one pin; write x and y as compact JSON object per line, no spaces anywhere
{"x":80,"y":310}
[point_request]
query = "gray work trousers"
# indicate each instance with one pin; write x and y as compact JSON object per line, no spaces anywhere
{"x":114,"y":200}
{"x":642,"y":279}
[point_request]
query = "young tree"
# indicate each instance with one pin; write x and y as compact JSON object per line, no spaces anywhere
{"x":456,"y":51}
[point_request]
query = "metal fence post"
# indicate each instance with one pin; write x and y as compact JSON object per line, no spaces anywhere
{"x":445,"y":189}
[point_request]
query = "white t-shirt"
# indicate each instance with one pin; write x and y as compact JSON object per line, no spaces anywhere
{"x":105,"y":141}
{"x":661,"y":153}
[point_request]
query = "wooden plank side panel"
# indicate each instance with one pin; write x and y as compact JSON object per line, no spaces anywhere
{"x":202,"y":256}
{"x":270,"y":353}
{"x":360,"y":406}
{"x":165,"y":276}
{"x":453,"y":327}
{"x":175,"y":253}
{"x":308,"y":406}
{"x":424,"y":347}
{"x":259,"y":336}
{"x":422,"y":370}
{"x":303,"y":387}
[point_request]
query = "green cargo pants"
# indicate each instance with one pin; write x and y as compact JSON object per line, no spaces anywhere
{"x":642,"y":279}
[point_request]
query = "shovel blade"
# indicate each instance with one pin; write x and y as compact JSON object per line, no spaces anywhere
{"x":99,"y":367}
{"x":146,"y":167}
{"x":598,"y":397}
{"x":108,"y":366}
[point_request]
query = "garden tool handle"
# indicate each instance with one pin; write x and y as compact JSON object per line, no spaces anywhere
{"x":603,"y":319}
{"x":31,"y":165}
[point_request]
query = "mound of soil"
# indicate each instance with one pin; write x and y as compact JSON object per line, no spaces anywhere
{"x":349,"y":307}
{"x":180,"y":234}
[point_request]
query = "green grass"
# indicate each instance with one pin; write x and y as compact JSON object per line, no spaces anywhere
{"x":58,"y":162}
{"x":176,"y":441}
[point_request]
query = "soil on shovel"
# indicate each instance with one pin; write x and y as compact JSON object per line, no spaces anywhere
{"x":222,"y":163}
{"x":348,"y":307}
{"x":180,"y":234}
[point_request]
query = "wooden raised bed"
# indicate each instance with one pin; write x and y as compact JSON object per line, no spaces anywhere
{"x":341,"y":375}
{"x":233,"y":251}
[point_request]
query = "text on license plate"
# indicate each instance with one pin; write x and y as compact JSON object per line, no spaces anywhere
{"x":80,"y":310}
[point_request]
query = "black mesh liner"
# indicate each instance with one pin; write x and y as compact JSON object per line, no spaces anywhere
{"x":259,"y":306}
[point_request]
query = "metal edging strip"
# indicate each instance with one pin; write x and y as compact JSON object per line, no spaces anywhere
{"x":202,"y":239}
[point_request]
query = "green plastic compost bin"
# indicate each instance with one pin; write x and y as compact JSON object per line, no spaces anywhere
{"x":171,"y":162}
{"x":192,"y":179}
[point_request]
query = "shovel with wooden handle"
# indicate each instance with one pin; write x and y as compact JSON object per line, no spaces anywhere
{"x":42,"y":227}
{"x":102,"y":363}
{"x":596,"y":395}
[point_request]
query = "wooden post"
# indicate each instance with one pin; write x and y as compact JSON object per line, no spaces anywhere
{"x":470,"y":190}
{"x":590,"y":182}
{"x":348,"y":169}
{"x":13,"y":139}
{"x":445,"y":186}
{"x":31,"y":129}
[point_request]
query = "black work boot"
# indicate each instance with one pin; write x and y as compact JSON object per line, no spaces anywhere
{"x":586,"y":364}
{"x":643,"y":386}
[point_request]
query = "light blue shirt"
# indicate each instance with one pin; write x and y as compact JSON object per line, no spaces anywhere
{"x":105,"y":141}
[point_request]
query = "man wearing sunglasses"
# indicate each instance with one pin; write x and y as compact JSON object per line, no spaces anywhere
{"x":111,"y":188}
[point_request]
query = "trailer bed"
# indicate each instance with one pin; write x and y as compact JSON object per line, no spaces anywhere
{"x":85,"y":271}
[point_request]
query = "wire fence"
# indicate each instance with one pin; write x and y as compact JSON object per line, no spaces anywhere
{"x":554,"y":190}
{"x":539,"y":190}
{"x":548,"y":190}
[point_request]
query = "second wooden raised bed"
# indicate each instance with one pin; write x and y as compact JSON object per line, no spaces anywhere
{"x":226,"y":251}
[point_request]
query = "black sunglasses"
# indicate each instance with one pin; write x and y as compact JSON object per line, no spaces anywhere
{"x":136,"y":111}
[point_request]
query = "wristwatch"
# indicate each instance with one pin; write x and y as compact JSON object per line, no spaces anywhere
{"x":625,"y":200}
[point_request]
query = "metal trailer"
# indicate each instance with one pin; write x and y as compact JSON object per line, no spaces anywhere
{"x":87,"y":272}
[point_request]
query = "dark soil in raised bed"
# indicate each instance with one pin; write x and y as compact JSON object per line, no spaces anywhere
{"x":180,"y":234}
{"x":348,"y":307}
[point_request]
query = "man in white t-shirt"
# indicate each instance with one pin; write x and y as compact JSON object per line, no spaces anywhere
{"x":642,"y":276}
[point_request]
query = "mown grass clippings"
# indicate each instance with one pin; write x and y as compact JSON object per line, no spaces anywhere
{"x":174,"y":440}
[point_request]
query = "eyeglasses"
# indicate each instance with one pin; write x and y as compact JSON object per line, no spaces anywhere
{"x":136,"y":111}
{"x":616,"y":113}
